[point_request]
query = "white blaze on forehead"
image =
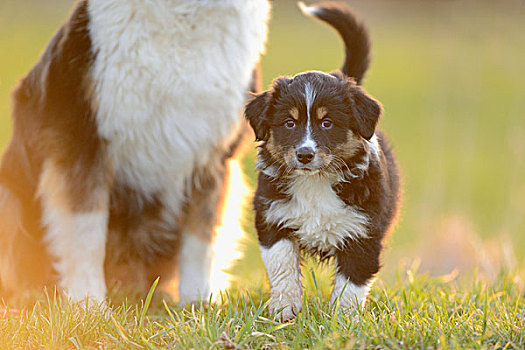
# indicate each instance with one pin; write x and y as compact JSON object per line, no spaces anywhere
{"x":309,"y":96}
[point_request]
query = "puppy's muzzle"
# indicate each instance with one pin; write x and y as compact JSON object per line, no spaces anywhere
{"x":305,"y":155}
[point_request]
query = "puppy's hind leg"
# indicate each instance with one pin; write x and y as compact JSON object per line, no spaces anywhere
{"x":24,"y":264}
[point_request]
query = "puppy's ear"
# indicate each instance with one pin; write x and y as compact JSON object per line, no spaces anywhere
{"x":256,"y":110}
{"x":367,"y":112}
{"x":280,"y":86}
{"x":255,"y":113}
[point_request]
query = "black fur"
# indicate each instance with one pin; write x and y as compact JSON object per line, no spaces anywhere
{"x":255,"y":113}
{"x":377,"y":194}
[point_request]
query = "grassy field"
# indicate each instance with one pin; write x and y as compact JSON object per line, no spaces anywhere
{"x":415,"y":312}
{"x":450,"y":76}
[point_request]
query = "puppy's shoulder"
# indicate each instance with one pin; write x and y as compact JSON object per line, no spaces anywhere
{"x":269,"y":189}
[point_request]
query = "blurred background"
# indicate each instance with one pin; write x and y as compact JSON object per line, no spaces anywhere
{"x":451,"y":77}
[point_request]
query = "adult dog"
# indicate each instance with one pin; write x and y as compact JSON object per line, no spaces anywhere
{"x":122,"y":133}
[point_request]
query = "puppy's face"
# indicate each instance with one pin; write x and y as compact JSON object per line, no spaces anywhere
{"x":313,"y":122}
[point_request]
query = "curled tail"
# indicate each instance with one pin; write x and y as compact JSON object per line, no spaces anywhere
{"x":351,"y":30}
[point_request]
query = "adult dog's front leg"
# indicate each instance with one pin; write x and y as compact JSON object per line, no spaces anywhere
{"x":200,"y":218}
{"x":75,"y":209}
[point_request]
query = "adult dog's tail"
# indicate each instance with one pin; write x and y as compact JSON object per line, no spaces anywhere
{"x":353,"y":32}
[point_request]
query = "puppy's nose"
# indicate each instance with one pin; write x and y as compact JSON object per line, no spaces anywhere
{"x":305,"y":154}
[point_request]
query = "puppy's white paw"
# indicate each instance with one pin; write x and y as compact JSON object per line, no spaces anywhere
{"x":287,"y":305}
{"x":349,"y":295}
{"x":282,"y":264}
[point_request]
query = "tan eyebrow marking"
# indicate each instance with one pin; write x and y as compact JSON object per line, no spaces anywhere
{"x":294,"y":112}
{"x":322,"y":112}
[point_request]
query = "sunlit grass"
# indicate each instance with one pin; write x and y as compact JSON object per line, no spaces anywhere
{"x":450,"y":77}
{"x":416,"y":311}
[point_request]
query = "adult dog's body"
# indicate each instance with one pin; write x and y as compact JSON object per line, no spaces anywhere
{"x":122,"y":135}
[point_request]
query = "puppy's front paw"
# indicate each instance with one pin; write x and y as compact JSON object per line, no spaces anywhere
{"x":286,"y":292}
{"x":286,"y":306}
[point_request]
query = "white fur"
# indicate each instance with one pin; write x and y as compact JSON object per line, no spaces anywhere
{"x":372,"y":150}
{"x":284,"y":272}
{"x":195,"y":261}
{"x":308,"y":141}
{"x":170,"y":78}
{"x":321,"y":219}
{"x":349,"y":294}
{"x":316,"y":72}
{"x":308,"y":10}
{"x":373,"y":146}
{"x":309,"y":96}
{"x":77,"y":242}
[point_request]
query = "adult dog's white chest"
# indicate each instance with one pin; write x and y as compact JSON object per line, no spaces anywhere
{"x":170,"y":79}
{"x":320,"y":218}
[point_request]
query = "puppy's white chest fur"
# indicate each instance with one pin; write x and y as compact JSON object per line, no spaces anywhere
{"x":321,"y":219}
{"x":170,"y":78}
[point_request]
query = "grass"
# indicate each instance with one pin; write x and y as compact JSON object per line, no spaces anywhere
{"x":450,"y":76}
{"x":416,"y":311}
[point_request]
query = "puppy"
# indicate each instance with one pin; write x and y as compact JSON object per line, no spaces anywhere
{"x":328,"y":181}
{"x":124,"y":134}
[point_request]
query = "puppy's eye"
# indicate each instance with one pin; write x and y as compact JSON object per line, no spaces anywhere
{"x":289,"y":124}
{"x":327,"y":124}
